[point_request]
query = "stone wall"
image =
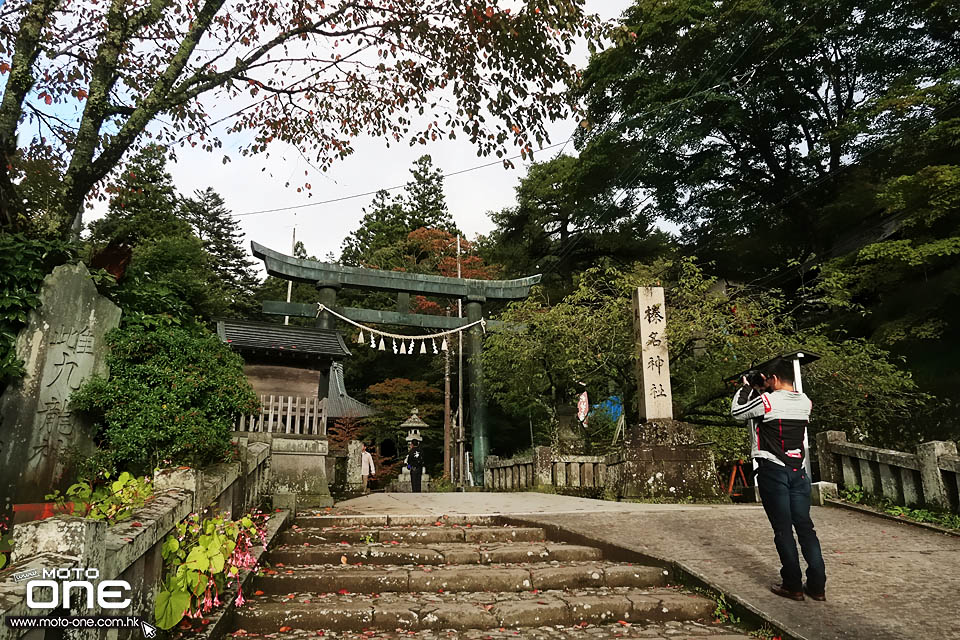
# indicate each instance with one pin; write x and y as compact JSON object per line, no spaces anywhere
{"x":131,"y":550}
{"x":930,"y":476}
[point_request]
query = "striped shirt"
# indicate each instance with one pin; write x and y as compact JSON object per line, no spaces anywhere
{"x":778,"y":423}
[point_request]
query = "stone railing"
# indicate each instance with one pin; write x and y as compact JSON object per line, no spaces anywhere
{"x":637,"y":471}
{"x":542,"y":469}
{"x":931,"y":476}
{"x":130,"y":550}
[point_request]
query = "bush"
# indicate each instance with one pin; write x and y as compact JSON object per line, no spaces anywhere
{"x":24,"y":262}
{"x":172,"y":398}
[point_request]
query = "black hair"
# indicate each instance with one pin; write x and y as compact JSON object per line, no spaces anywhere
{"x":781,"y":368}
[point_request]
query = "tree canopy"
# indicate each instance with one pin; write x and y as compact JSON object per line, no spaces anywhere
{"x":97,"y":78}
{"x":762,"y":127}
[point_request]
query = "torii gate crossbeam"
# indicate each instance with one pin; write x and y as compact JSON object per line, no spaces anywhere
{"x":329,"y":278}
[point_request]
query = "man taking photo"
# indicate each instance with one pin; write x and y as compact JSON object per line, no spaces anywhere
{"x":779,"y":416}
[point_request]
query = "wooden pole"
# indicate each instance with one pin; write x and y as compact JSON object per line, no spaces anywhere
{"x":446,"y":411}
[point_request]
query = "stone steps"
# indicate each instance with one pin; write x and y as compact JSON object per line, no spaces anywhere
{"x":428,"y":576}
{"x":483,"y":610}
{"x":299,"y":535}
{"x":434,"y":554}
{"x":503,"y":578}
{"x":673,"y":630}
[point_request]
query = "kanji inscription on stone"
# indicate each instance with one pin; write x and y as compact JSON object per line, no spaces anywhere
{"x":62,"y":347}
{"x":653,"y":362}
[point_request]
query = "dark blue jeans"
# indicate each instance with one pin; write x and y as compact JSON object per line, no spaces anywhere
{"x":785,"y":493}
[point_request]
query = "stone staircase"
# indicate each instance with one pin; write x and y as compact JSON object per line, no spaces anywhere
{"x":341,"y":577}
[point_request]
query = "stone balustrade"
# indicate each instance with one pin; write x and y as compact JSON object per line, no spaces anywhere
{"x":931,"y":476}
{"x":543,"y":469}
{"x":131,"y":550}
{"x":636,"y":471}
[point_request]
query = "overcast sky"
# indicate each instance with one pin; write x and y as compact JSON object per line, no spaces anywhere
{"x":246,"y":187}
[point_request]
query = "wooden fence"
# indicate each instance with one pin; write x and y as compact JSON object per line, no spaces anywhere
{"x":296,"y":415}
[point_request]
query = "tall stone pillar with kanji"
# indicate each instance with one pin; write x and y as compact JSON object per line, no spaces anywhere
{"x":653,"y":360}
{"x":61,"y":347}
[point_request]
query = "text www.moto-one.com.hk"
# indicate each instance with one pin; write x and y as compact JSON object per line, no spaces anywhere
{"x":73,"y":622}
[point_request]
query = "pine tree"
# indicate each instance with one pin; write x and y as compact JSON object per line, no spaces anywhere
{"x":222,"y":238}
{"x":423,"y":202}
{"x":143,"y":203}
{"x":390,"y":221}
{"x":170,"y":273}
{"x":383,"y":224}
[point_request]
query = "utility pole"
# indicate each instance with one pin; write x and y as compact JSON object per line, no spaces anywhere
{"x":293,"y":250}
{"x":446,"y":412}
{"x":461,"y":436}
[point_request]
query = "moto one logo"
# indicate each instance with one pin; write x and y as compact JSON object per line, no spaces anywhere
{"x":68,"y":585}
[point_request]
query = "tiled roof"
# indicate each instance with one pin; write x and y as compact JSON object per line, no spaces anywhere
{"x":244,"y":335}
{"x":339,"y":404}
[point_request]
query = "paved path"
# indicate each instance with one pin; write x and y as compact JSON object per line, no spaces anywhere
{"x":884,"y":579}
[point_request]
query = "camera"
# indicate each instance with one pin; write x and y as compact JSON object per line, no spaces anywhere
{"x":755,"y":379}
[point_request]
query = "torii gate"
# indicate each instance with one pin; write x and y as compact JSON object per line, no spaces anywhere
{"x":329,"y":278}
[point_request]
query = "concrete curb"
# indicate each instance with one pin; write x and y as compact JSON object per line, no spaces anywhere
{"x":681,"y":573}
{"x":851,"y":506}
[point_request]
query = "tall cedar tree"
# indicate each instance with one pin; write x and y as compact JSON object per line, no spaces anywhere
{"x":222,"y":238}
{"x":388,"y":222}
{"x":170,"y":273}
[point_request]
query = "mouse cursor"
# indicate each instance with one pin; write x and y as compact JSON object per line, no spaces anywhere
{"x":149,"y":631}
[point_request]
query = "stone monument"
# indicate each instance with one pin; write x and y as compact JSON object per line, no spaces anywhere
{"x":62,"y":347}
{"x":660,"y":455}
{"x":414,"y":424}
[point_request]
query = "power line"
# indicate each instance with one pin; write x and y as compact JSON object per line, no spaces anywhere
{"x":393,"y":188}
{"x":743,"y":78}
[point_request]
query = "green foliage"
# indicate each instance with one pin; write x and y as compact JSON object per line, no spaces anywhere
{"x":6,"y":544}
{"x":172,"y":397}
{"x":390,"y":221}
{"x":857,"y":495}
{"x":569,"y":216}
{"x":588,"y":337}
{"x":172,"y":278}
{"x":223,"y":241}
{"x":200,"y":559}
{"x":722,"y":612}
{"x":103,"y":499}
{"x":441,"y":484}
{"x":740,"y":122}
{"x":143,"y":203}
{"x":24,"y":262}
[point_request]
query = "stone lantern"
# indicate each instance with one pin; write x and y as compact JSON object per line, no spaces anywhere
{"x":413,"y":425}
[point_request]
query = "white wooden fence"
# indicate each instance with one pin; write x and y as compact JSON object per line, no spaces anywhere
{"x":287,"y":414}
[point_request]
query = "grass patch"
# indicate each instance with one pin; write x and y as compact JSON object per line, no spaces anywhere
{"x":928,"y":515}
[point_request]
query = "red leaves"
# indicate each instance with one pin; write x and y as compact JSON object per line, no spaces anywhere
{"x":4,"y":67}
{"x":284,"y":629}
